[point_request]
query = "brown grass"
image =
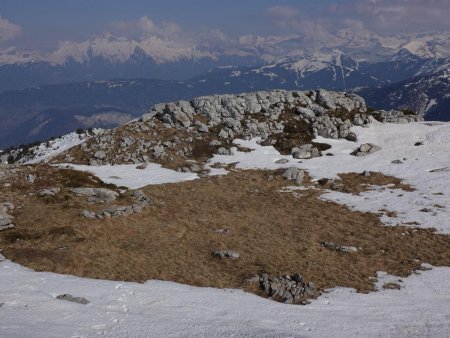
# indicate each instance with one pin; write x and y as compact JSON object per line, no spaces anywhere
{"x":275,"y":233}
{"x":356,"y":183}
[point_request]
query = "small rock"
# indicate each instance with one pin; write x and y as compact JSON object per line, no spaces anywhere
{"x":226,"y":254}
{"x":366,"y":149}
{"x":282,"y":161}
{"x":100,"y":155}
{"x":142,"y":166}
{"x":391,"y":286}
{"x":294,"y":174}
{"x":31,"y":178}
{"x":305,"y":151}
{"x":70,"y":298}
{"x":215,"y":143}
{"x":253,"y":280}
{"x":297,"y":278}
{"x":397,"y":162}
{"x":224,"y":151}
{"x":417,"y":144}
{"x":351,"y":137}
{"x":222,"y":231}
{"x":339,"y":248}
{"x":88,"y":214}
{"x":137,"y":208}
{"x":49,"y":191}
{"x":347,"y":249}
{"x":366,"y":173}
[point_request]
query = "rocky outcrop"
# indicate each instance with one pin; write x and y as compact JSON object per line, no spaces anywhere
{"x":97,"y":195}
{"x":175,"y":134}
{"x":194,"y":130}
{"x":142,"y":202}
{"x":286,"y":289}
{"x":6,"y":220}
{"x":305,"y":151}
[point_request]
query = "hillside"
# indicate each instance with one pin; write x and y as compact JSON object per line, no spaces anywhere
{"x":427,"y":95}
{"x":42,"y":112}
{"x":279,"y":196}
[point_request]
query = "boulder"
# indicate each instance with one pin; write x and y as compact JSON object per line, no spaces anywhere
{"x":142,"y":166}
{"x":325,"y":99}
{"x":305,"y":151}
{"x":88,"y":214}
{"x":366,"y":149}
{"x":100,"y":155}
{"x":49,"y":191}
{"x":294,"y":174}
{"x":351,"y":137}
{"x":97,"y":194}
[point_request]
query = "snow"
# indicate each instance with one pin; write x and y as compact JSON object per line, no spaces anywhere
{"x":44,"y":153}
{"x":430,"y":105}
{"x":397,"y":141}
{"x":128,"y":176}
{"x":29,"y":308}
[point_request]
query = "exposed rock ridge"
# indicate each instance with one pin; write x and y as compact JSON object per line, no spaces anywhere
{"x":183,"y":134}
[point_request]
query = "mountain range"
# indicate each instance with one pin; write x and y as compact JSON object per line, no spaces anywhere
{"x":428,"y":95}
{"x":181,"y":58}
{"x":48,"y":94}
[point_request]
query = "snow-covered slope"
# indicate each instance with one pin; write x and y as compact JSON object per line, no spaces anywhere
{"x":163,"y":309}
{"x":420,"y":308}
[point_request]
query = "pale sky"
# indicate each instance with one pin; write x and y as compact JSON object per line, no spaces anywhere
{"x":41,"y":24}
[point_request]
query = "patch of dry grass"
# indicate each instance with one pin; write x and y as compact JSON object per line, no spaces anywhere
{"x":275,"y":233}
{"x":355,"y":183}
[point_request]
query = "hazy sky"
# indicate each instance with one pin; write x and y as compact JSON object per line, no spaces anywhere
{"x":40,"y":24}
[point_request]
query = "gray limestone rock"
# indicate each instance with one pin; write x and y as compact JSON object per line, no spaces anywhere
{"x":70,"y":298}
{"x":226,"y":254}
{"x":100,"y":155}
{"x":294,"y":174}
{"x":49,"y":191}
{"x":366,"y":149}
{"x":282,"y":161}
{"x":305,"y":151}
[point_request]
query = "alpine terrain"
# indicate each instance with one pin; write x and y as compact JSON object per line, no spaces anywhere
{"x":279,"y":204}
